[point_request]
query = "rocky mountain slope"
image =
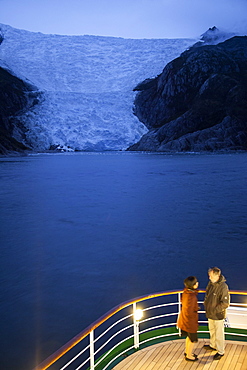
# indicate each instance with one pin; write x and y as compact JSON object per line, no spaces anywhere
{"x":16,"y":97}
{"x":87,"y":86}
{"x":198,"y":102}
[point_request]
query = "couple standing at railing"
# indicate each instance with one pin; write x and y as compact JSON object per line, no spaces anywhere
{"x":216,"y":301}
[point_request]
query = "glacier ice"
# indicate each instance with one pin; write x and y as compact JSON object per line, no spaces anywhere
{"x":86,"y":83}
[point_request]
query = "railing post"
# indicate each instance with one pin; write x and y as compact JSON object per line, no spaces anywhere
{"x":92,"y":350}
{"x":136,"y":328}
{"x":179,"y":309}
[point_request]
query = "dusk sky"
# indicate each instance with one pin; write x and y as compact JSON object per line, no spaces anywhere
{"x":125,"y":18}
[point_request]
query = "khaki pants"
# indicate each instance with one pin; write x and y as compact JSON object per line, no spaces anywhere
{"x":217,"y":335}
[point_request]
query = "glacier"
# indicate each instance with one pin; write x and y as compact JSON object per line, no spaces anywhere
{"x":86,"y":84}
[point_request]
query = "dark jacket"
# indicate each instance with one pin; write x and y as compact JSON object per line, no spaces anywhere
{"x":217,"y":299}
{"x":188,"y":317}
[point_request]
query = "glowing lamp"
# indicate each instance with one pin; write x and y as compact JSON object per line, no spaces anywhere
{"x":138,"y":314}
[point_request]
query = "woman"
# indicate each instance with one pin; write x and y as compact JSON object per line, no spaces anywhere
{"x":188,"y":317}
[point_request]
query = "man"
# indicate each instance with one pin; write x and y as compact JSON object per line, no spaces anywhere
{"x":217,"y":299}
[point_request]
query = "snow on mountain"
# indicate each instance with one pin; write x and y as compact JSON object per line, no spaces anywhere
{"x":87,"y":84}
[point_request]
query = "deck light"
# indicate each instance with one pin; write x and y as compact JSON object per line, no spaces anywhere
{"x":138,"y":313}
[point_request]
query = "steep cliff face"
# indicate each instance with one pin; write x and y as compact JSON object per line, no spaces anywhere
{"x":87,"y":83}
{"x":198,"y":102}
{"x":16,"y":96}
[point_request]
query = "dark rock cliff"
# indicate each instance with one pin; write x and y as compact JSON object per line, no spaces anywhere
{"x":198,"y":102}
{"x":16,"y":96}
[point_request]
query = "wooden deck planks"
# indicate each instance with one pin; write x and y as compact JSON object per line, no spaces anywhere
{"x":170,"y":356}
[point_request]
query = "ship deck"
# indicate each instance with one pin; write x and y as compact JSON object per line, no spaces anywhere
{"x":170,"y":356}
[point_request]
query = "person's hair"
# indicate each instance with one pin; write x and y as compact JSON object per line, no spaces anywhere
{"x":190,"y":281}
{"x":215,"y":270}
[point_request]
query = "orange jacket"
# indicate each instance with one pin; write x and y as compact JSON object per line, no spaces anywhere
{"x":188,"y":317}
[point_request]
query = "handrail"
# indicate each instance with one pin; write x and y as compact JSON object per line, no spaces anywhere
{"x":79,"y":337}
{"x":83,"y":334}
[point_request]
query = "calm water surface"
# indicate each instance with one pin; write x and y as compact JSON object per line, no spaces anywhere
{"x":81,"y":233}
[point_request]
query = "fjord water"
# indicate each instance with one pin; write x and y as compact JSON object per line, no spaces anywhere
{"x":81,"y":233}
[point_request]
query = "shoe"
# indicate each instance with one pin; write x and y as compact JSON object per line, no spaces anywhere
{"x":217,"y":356}
{"x":209,"y":348}
{"x":188,"y":359}
{"x":185,"y":354}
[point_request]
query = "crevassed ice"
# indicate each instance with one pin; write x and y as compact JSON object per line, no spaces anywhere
{"x":87,"y":84}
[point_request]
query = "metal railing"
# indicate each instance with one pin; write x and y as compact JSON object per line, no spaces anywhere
{"x":129,"y":326}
